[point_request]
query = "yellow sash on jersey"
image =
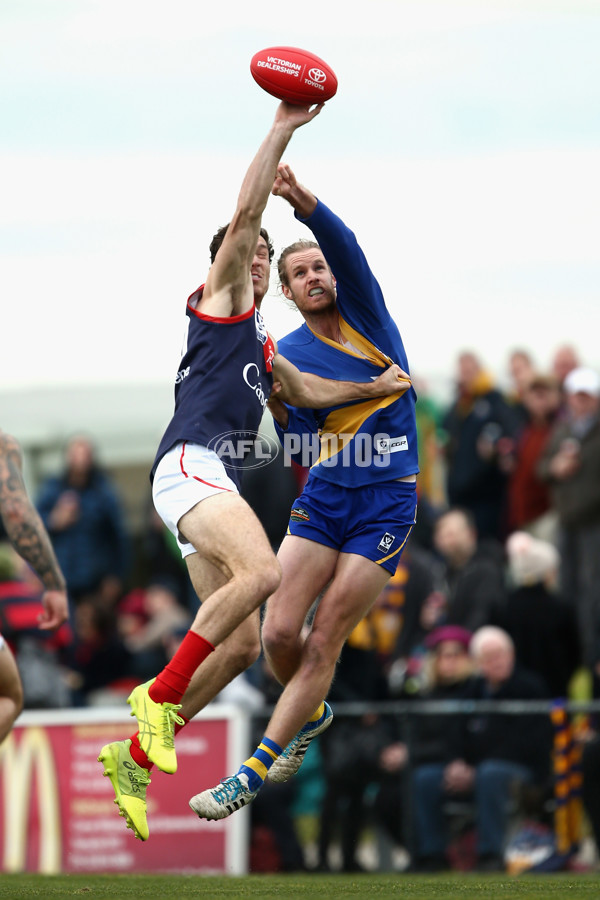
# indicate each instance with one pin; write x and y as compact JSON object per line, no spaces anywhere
{"x":347,"y":420}
{"x":358,"y":340}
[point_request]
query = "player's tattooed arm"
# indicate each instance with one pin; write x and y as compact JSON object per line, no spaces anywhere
{"x":23,"y":525}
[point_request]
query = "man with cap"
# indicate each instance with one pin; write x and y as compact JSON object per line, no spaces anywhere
{"x":571,"y":465}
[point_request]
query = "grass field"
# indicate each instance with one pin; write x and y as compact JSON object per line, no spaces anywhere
{"x":275,"y":887}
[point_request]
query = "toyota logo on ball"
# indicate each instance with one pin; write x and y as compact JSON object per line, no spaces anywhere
{"x":317,"y":75}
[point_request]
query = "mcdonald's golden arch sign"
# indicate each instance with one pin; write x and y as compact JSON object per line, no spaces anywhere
{"x":57,"y":812}
{"x":29,"y":778}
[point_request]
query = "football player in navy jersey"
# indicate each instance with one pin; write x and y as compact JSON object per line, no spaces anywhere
{"x":349,"y":526}
{"x":225,"y":377}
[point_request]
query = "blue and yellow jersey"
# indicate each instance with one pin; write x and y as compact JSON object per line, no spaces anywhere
{"x":364,"y":441}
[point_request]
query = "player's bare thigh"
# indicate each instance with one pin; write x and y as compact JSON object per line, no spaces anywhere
{"x":356,"y":584}
{"x":10,"y":681}
{"x":11,"y":691}
{"x":306,"y":567}
{"x":226,"y":532}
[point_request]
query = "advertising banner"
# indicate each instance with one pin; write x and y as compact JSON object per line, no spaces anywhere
{"x":57,"y":812}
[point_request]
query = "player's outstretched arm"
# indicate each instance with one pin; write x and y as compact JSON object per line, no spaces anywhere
{"x":286,"y":186}
{"x":304,"y":389}
{"x":26,"y":532}
{"x":356,"y":282}
{"x":228,"y":282}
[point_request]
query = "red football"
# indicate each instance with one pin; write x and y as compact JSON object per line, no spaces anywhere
{"x":294,"y":75}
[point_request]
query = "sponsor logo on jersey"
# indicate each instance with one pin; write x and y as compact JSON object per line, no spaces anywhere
{"x":298,"y":514}
{"x":386,"y":542}
{"x":261,"y":328}
{"x":251,"y":375}
{"x":183,"y":373}
{"x":391,"y":444}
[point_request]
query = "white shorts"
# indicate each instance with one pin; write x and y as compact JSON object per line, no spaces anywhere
{"x":187,"y":474}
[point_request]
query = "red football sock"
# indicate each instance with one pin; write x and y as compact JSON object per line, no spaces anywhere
{"x":138,"y":755}
{"x":171,"y":684}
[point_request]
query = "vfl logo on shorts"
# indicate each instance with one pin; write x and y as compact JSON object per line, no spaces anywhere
{"x":385,"y":544}
{"x":298,"y":514}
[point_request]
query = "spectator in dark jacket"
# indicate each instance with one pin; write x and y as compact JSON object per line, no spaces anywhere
{"x":450,"y":672}
{"x":446,"y":670}
{"x":83,"y":516}
{"x":487,"y":754}
{"x":571,"y":465}
{"x":473,"y":573}
{"x":480,"y":426}
{"x":543,"y":627}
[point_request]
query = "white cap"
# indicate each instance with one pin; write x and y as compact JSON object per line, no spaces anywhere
{"x":529,"y":559}
{"x":584,"y":381}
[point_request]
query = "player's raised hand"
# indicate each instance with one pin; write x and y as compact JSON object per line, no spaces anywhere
{"x":295,"y":115}
{"x":285,"y":182}
{"x":287,"y":187}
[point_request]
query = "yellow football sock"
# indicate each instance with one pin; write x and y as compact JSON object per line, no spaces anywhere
{"x":318,"y":713}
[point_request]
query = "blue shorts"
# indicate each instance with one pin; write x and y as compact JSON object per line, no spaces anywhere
{"x":372,"y":521}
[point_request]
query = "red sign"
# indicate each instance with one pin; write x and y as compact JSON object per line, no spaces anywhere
{"x":57,"y":810}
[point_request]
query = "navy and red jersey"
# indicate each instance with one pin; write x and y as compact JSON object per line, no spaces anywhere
{"x":223,"y":383}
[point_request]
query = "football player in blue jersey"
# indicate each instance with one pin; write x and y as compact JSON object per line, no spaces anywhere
{"x":348,"y":528}
{"x":227,"y":370}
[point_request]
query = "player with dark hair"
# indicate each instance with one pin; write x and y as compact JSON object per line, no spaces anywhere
{"x":228,"y":367}
{"x":218,"y":239}
{"x":25,"y":531}
{"x":348,"y":528}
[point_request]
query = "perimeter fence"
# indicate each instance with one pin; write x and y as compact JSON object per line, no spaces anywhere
{"x":571,"y":722}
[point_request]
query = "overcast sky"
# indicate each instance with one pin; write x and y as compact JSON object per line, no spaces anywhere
{"x":463,"y":148}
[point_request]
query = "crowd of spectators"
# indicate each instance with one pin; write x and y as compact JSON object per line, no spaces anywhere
{"x":497,"y":596}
